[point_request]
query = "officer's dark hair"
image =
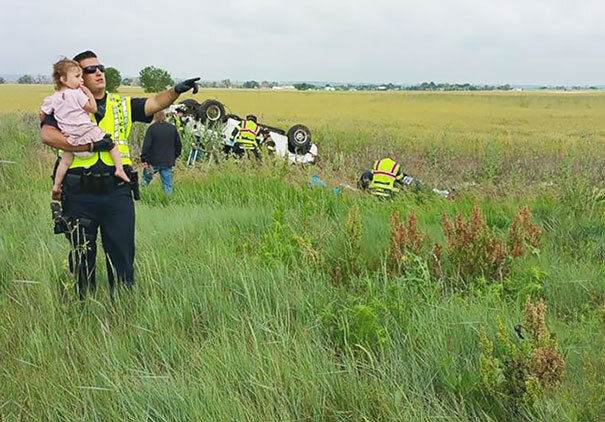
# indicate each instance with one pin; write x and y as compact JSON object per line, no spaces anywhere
{"x":251,"y":117}
{"x":85,"y":55}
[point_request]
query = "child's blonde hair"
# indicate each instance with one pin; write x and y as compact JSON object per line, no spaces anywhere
{"x":61,"y":68}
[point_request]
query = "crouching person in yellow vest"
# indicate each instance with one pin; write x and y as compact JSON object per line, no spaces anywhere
{"x":246,"y":138}
{"x":385,"y":179}
{"x":92,"y":197}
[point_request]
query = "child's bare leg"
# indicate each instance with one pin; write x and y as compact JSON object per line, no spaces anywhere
{"x":62,"y":168}
{"x":117,"y":160}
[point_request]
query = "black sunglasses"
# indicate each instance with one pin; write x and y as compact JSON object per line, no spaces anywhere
{"x":92,"y":69}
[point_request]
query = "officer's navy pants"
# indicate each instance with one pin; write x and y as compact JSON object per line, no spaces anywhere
{"x":113,"y":213}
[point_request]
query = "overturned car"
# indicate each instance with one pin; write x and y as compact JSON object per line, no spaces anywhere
{"x":208,"y":120}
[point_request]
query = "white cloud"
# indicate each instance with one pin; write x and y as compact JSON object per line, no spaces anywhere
{"x":480,"y":41}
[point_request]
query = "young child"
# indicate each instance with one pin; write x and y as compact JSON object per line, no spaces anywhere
{"x":71,"y":105}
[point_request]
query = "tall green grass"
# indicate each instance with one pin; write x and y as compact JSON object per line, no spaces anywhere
{"x":233,"y":318}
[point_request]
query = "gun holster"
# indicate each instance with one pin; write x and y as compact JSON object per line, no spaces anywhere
{"x":134,"y":183}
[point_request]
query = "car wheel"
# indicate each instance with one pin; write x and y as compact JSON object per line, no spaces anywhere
{"x":191,"y":105}
{"x":299,"y":139}
{"x":211,"y":112}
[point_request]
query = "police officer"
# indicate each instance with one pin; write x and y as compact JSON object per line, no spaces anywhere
{"x":247,"y":137}
{"x":177,"y":121}
{"x":90,"y":191}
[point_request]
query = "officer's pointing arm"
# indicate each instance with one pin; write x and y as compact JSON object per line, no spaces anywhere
{"x":163,"y":99}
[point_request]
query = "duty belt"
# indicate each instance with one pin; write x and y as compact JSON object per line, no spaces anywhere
{"x":93,"y":183}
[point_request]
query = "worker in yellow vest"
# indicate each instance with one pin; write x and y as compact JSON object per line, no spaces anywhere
{"x":92,"y":197}
{"x":178,"y":122}
{"x":246,"y":137}
{"x":385,"y":178}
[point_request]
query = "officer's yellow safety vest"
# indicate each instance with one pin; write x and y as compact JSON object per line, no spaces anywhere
{"x":117,"y":122}
{"x":248,"y":134}
{"x":384,"y":174}
{"x":178,"y":124}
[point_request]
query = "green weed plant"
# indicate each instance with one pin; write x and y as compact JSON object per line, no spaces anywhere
{"x":525,"y":369}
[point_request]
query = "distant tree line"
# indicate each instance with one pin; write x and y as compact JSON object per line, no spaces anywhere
{"x":425,"y":86}
{"x":36,"y":79}
{"x":228,"y":83}
{"x":112,"y":74}
{"x":567,"y":88}
{"x":154,"y":79}
{"x":432,"y":86}
{"x":305,"y":86}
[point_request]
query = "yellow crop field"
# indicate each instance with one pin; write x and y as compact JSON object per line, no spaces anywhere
{"x":535,"y":117}
{"x":444,"y":136}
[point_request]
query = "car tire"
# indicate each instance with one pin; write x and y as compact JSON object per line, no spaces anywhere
{"x":299,"y":139}
{"x":211,"y":112}
{"x":191,"y":105}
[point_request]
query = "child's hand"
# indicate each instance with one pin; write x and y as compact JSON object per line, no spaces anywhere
{"x":86,"y":91}
{"x":56,"y":193}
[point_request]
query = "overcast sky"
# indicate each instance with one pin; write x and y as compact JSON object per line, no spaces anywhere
{"x":405,"y":41}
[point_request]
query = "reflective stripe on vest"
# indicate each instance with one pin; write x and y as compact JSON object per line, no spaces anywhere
{"x":384,"y":174}
{"x":248,"y":133}
{"x":117,"y":122}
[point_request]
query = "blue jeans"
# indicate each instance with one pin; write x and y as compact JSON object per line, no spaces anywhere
{"x":165,"y":175}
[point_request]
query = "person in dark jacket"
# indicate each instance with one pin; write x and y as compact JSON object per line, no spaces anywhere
{"x":161,"y":148}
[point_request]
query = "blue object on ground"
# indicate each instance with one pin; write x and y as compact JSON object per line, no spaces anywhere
{"x":317,"y":181}
{"x":336,"y":191}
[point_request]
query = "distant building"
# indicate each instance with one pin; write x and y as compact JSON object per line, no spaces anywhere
{"x":329,"y":88}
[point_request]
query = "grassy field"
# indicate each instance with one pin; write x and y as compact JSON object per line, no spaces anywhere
{"x":260,"y":297}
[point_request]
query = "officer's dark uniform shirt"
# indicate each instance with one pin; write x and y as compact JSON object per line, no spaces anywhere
{"x":137,"y":106}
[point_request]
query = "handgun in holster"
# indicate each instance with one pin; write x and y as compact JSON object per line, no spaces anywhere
{"x":134,"y":183}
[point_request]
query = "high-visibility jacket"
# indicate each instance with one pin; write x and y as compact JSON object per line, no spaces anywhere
{"x":117,"y":122}
{"x":385,"y":173}
{"x":247,"y":134}
{"x":178,"y":124}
